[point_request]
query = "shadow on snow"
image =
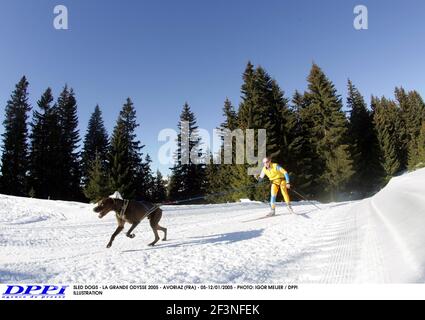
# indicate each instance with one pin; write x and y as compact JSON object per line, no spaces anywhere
{"x":226,"y":238}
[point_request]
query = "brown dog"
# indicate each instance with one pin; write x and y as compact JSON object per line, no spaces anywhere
{"x":132,"y":212}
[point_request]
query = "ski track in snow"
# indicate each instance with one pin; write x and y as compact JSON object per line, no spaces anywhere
{"x":365,"y":241}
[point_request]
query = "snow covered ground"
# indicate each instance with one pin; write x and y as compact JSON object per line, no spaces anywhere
{"x":376,"y":240}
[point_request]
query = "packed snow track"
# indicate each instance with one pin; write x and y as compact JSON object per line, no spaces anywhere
{"x":376,"y":240}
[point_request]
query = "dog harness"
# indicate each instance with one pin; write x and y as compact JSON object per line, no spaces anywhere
{"x":123,"y":209}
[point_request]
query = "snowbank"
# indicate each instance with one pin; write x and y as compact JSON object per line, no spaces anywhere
{"x":398,"y":217}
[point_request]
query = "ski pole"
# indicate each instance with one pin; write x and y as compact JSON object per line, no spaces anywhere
{"x":304,"y":198}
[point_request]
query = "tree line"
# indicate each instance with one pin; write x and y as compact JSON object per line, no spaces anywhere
{"x":41,"y":157}
{"x":331,"y":151}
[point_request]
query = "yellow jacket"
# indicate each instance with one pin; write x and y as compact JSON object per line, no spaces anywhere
{"x":274,"y":173}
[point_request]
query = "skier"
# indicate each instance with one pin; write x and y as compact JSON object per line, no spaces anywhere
{"x":279,"y":179}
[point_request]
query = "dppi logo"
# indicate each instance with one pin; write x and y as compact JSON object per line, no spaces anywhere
{"x":28,"y":291}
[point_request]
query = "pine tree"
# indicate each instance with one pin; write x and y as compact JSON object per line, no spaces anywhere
{"x":385,"y":120}
{"x":71,"y":171}
{"x":97,"y":186}
{"x":413,"y":117}
{"x":309,"y":118}
{"x":45,"y":167}
{"x":263,"y":106}
{"x":245,"y":120}
{"x":214,"y":174}
{"x":269,"y":104}
{"x":39,"y":167}
{"x":417,"y":152}
{"x":300,"y":151}
{"x":219,"y":176}
{"x":125,"y":157}
{"x":330,"y":126}
{"x":15,"y":145}
{"x":145,"y":180}
{"x":188,"y":178}
{"x":363,"y":144}
{"x":230,"y":116}
{"x":159,"y":193}
{"x":246,"y":107}
{"x":273,"y":115}
{"x":403,"y":108}
{"x":95,"y":143}
{"x":284,"y":124}
{"x":227,"y":127}
{"x":118,"y":159}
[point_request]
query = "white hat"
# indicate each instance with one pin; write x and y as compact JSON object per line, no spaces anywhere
{"x":265,"y":160}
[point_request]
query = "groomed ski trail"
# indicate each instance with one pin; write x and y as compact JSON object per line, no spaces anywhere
{"x":376,"y":240}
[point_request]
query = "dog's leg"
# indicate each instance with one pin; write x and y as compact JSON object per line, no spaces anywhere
{"x":133,"y":226}
{"x":119,"y":229}
{"x":155,"y":232}
{"x":154,"y":222}
{"x":163,"y":230}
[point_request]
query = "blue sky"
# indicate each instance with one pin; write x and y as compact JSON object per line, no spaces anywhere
{"x":163,"y":53}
